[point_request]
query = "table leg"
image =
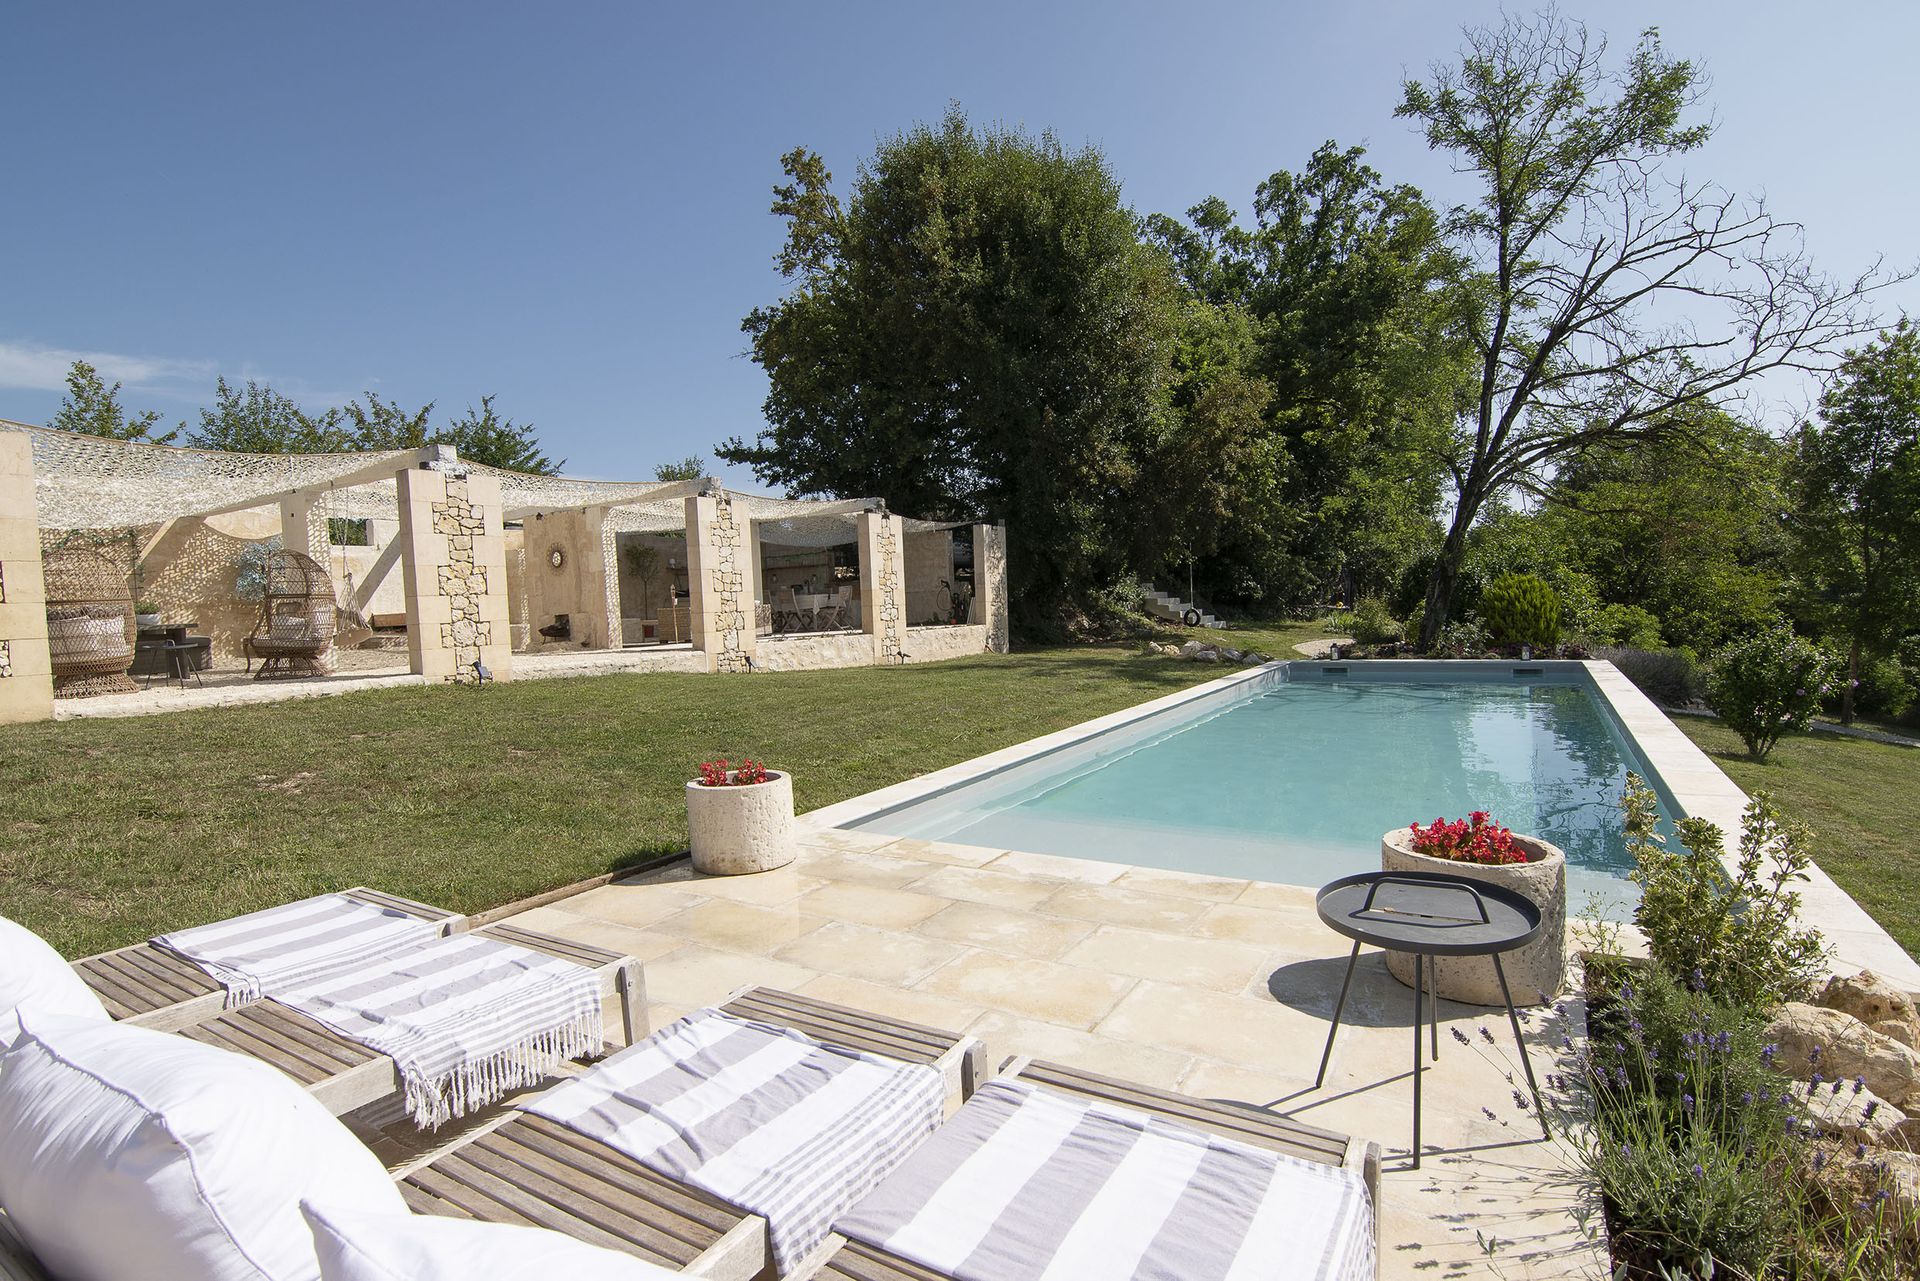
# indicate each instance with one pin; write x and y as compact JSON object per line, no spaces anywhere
{"x":1338,"y":1006}
{"x":1539,"y":1104}
{"x":1433,"y":1003}
{"x":1418,"y":1066}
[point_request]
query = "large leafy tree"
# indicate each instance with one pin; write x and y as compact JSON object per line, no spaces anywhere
{"x":259,"y":420}
{"x":93,"y":408}
{"x":483,"y":436}
{"x":1612,"y":289}
{"x":1859,"y":478}
{"x":692,"y":467}
{"x":978,"y":333}
{"x":1349,"y":287}
{"x":1689,"y":525}
{"x":384,"y":424}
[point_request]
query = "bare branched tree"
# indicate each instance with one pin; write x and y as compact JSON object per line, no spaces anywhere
{"x":1610,"y":290}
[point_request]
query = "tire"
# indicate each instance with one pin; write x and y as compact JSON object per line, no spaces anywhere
{"x":1191,"y":618}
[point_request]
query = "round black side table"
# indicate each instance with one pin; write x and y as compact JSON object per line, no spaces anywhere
{"x":1429,"y":914}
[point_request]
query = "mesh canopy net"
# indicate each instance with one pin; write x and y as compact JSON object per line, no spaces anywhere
{"x":89,"y":482}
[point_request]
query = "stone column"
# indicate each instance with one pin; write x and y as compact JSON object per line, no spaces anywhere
{"x":721,"y":583}
{"x":302,"y":529}
{"x":608,"y":546}
{"x":454,"y":561}
{"x":990,"y":583}
{"x":883,"y":584}
{"x":26,"y":672}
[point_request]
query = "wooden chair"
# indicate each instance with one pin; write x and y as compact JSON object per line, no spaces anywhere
{"x":857,"y":1261}
{"x":528,"y":1170}
{"x":151,"y":987}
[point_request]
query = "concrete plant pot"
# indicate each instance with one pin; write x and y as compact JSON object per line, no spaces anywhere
{"x":1534,"y":972}
{"x":737,"y":830}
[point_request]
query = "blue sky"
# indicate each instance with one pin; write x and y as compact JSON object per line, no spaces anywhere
{"x":566,"y":204}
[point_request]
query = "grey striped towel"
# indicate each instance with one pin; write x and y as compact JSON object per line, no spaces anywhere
{"x":1024,"y":1184}
{"x":466,"y":1019}
{"x":760,"y":1116}
{"x":293,"y":943}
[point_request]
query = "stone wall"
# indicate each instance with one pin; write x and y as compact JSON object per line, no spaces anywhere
{"x":455,"y":576}
{"x":721,"y":574}
{"x":578,"y":588}
{"x":990,"y":582}
{"x":883,"y":584}
{"x":26,"y":671}
{"x":932,"y":644}
{"x":804,"y":652}
{"x":929,"y":570}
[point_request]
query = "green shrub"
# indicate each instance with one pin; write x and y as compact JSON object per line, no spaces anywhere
{"x":1460,"y":640}
{"x":1373,"y":625}
{"x":1669,"y":677}
{"x":1627,"y":626}
{"x":1734,"y":936}
{"x":1520,"y":609}
{"x":1885,"y":689}
{"x":1767,"y":684}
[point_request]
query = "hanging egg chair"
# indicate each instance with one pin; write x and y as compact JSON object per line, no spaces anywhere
{"x":294,"y":636}
{"x":90,"y":627}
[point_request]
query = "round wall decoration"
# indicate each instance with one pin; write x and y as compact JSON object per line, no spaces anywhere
{"x":557,"y":556}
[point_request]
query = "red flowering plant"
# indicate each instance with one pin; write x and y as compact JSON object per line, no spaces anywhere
{"x":720,"y":774}
{"x":1473,"y":839}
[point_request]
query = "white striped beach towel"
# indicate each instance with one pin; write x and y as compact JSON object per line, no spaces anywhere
{"x":1025,"y":1184}
{"x":248,"y":955}
{"x":763,"y":1117}
{"x":466,"y":1019}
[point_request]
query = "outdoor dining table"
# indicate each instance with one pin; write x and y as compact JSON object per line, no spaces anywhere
{"x":1429,"y":914}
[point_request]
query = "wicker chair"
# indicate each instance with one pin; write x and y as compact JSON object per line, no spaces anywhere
{"x":90,"y":627}
{"x":294,"y":636}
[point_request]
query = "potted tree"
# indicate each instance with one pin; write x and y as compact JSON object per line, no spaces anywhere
{"x":1481,"y":850}
{"x":740,"y":820}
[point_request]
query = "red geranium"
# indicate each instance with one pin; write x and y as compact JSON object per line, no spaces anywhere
{"x":719,"y":774}
{"x":1473,"y":839}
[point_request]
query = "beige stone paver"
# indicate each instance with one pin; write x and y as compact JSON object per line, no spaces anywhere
{"x":738,"y":927}
{"x":999,"y":929}
{"x":1209,"y":963}
{"x":879,"y":956}
{"x":1044,"y":990}
{"x":980,"y":885}
{"x":944,"y":852}
{"x":1155,"y":880}
{"x":1058,"y":868}
{"x":1212,"y":986}
{"x":871,"y":905}
{"x":1112,"y":905}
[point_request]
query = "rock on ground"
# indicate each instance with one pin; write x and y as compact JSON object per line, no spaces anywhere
{"x":1833,"y":1044}
{"x":1877,"y":1003}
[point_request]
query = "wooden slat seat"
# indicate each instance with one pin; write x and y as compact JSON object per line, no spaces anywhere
{"x":151,"y":987}
{"x":856,"y":1261}
{"x":526,"y":1169}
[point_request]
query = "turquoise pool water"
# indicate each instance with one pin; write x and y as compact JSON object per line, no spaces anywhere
{"x":1296,"y":782}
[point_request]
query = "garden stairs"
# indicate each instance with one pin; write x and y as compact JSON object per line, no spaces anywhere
{"x":1170,"y":607}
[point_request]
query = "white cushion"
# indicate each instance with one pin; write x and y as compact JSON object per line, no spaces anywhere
{"x":360,"y":1246}
{"x":128,"y":1153}
{"x":34,"y":976}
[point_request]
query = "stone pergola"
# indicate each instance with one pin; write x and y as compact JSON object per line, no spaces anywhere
{"x":451,"y":521}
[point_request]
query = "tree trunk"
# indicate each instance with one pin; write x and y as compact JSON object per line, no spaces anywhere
{"x":1446,"y":572}
{"x":1853,"y":681}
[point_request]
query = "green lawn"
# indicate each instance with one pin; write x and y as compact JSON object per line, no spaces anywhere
{"x":1862,"y":800}
{"x":116,"y":830}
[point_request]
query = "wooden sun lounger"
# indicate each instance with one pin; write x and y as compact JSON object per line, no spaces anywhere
{"x":530,"y":1171}
{"x":150,"y":987}
{"x":857,"y":1261}
{"x":345,"y":1075}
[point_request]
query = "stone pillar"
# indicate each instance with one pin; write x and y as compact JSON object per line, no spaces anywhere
{"x":302,"y":529}
{"x":721,"y":583}
{"x":26,"y":672}
{"x":883,"y":584}
{"x":608,"y":545}
{"x":454,"y":560}
{"x":990,"y":583}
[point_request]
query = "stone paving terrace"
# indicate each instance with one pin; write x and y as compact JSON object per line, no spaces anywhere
{"x":1219,"y":988}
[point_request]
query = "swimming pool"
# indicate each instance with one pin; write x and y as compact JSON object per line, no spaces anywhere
{"x":1293,"y":775}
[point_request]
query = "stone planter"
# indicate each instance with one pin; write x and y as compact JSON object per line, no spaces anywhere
{"x":736,"y":830}
{"x":1534,"y":972}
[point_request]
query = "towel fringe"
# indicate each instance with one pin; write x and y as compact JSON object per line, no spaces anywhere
{"x":433,"y":1101}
